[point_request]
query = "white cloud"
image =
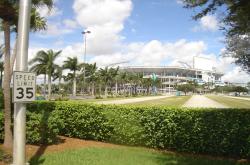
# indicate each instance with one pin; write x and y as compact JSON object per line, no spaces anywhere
{"x":105,"y":19}
{"x":179,"y":2}
{"x":45,"y":12}
{"x":54,"y":29}
{"x":237,"y":76}
{"x":70,"y":23}
{"x":155,"y":53}
{"x":207,"y":23}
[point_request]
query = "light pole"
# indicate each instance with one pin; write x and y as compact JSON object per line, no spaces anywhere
{"x":84,"y":58}
{"x":21,"y":65}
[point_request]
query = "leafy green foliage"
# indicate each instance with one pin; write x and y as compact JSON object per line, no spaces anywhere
{"x":217,"y":132}
{"x":235,"y":18}
{"x":43,"y":124}
{"x":186,"y":88}
{"x":83,"y":121}
{"x":228,"y":89}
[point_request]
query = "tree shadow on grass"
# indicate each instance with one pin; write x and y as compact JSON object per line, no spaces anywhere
{"x":172,"y":159}
{"x":38,"y":158}
{"x":45,"y":132}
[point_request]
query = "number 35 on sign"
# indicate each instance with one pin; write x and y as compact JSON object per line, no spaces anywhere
{"x":24,"y":87}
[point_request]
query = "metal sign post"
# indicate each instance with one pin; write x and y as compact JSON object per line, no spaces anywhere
{"x":21,"y":65}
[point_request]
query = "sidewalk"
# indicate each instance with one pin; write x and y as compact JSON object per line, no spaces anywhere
{"x":200,"y":101}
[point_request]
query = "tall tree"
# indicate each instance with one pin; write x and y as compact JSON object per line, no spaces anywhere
{"x":235,"y":18}
{"x":105,"y":76}
{"x":45,"y":60}
{"x":91,"y":73}
{"x":233,"y":13}
{"x":238,"y":47}
{"x":122,"y":80}
{"x":114,"y":74}
{"x":1,"y":65}
{"x":9,"y":19}
{"x":1,"y":73}
{"x":58,"y":74}
{"x":73,"y":65}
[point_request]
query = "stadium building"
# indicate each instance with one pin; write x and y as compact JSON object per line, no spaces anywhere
{"x":202,"y":72}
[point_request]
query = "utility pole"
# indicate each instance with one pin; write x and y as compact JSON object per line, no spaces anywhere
{"x":21,"y":65}
{"x":85,"y":51}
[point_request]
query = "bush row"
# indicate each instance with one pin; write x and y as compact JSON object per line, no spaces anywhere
{"x":221,"y":131}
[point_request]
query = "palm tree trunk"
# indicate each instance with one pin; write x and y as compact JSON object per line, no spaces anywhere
{"x":13,"y":58}
{"x":59,"y":85}
{"x":74,"y":85}
{"x":44,"y":86}
{"x":49,"y":86}
{"x":116,"y":87}
{"x":100,"y":89}
{"x":93,"y":89}
{"x":106,"y":90}
{"x":1,"y":80}
{"x":6,"y":86}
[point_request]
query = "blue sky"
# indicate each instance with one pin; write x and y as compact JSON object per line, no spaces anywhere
{"x":142,"y":32}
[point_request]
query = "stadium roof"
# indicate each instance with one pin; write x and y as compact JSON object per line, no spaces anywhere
{"x":166,"y":69}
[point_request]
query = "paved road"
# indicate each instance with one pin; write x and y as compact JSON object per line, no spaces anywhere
{"x":126,"y":101}
{"x":201,"y":101}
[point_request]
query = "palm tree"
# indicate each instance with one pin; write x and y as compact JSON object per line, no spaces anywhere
{"x":1,"y":65}
{"x":44,"y":62}
{"x":107,"y":76}
{"x":123,"y":80}
{"x":1,"y":73}
{"x":114,"y":74}
{"x":147,"y":82}
{"x":9,"y":17}
{"x":73,"y":65}
{"x":91,"y":73}
{"x":58,"y":74}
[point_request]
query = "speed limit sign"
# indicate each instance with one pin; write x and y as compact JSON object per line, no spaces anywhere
{"x":24,"y":87}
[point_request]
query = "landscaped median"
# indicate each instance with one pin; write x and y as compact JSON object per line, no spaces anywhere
{"x":210,"y":131}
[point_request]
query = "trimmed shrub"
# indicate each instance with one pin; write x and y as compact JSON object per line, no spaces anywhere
{"x":43,"y":123}
{"x":219,"y":132}
{"x":210,"y":131}
{"x":83,"y":121}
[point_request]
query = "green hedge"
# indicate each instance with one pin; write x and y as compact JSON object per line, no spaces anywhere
{"x":217,"y":132}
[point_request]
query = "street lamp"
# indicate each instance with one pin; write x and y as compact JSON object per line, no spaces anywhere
{"x":85,"y":50}
{"x":85,"y":43}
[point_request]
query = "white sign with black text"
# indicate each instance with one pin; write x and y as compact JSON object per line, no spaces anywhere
{"x":24,"y":88}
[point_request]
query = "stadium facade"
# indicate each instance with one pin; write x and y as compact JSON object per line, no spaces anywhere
{"x":171,"y":76}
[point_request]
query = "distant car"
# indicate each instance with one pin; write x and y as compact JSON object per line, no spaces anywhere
{"x":236,"y":94}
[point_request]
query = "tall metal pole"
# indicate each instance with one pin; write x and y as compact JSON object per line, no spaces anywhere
{"x":84,"y":68}
{"x":84,"y":58}
{"x":21,"y":65}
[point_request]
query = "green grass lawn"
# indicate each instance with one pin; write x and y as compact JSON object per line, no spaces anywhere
{"x":123,"y":156}
{"x":170,"y":101}
{"x":230,"y":102}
